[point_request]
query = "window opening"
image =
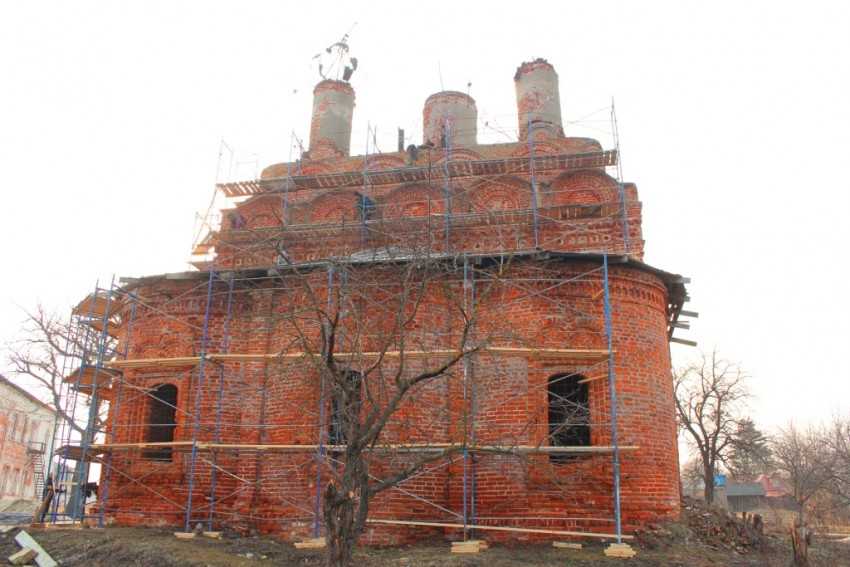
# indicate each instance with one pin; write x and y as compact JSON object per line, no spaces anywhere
{"x":345,"y":407}
{"x":569,"y":414}
{"x":162,"y":421}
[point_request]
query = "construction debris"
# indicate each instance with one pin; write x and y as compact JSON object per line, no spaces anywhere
{"x":213,"y":535}
{"x":42,"y":558}
{"x":710,"y":525}
{"x":23,"y":556}
{"x":184,"y":535}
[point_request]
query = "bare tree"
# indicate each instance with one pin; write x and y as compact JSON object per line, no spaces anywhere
{"x":374,"y":358}
{"x":690,"y":475}
{"x":804,"y":461}
{"x":836,"y":437}
{"x":710,"y":398}
{"x":41,"y":355}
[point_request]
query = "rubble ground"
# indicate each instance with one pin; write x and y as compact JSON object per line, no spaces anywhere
{"x":703,"y":536}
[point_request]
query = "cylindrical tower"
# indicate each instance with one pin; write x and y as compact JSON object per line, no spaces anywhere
{"x":330,"y":127}
{"x":450,"y":118}
{"x":537,"y":95}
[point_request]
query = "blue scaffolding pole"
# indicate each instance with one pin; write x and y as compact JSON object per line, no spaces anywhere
{"x":613,"y":397}
{"x":533,"y":180}
{"x":199,"y":389}
{"x":94,"y":362}
{"x":214,"y":475}
{"x":469,"y":396}
{"x":362,"y":204}
{"x":624,"y":221}
{"x":66,"y":433}
{"x":447,"y":157}
{"x":466,"y":429}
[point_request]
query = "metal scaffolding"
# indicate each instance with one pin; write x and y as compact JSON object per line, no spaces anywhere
{"x":99,"y":386}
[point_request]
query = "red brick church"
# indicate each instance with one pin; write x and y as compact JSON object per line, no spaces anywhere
{"x":510,"y":276}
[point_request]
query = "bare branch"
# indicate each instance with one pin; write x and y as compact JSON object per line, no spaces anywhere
{"x":710,"y":398}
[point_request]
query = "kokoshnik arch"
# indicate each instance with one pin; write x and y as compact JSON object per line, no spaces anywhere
{"x":526,"y":256}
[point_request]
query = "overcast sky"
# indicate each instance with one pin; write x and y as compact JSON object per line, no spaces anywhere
{"x":733,"y":121}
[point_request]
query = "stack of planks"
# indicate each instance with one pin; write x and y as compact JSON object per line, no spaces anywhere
{"x":620,"y":550}
{"x":311,"y":543}
{"x":469,"y":546}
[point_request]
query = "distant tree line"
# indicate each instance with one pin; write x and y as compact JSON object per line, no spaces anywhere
{"x":812,"y":461}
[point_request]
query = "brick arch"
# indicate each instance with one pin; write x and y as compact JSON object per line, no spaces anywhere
{"x":461,"y":154}
{"x":540,"y":149}
{"x":379,"y":161}
{"x":415,"y":201}
{"x":584,"y":187}
{"x":172,"y":338}
{"x":260,"y":212}
{"x":311,"y":168}
{"x":586,"y":335}
{"x":335,"y":206}
{"x":502,"y":194}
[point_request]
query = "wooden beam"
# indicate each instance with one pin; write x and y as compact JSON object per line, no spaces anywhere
{"x":23,"y":556}
{"x":393,"y":447}
{"x":566,"y":545}
{"x":498,"y":528}
{"x":682,"y":341}
{"x":142,"y":363}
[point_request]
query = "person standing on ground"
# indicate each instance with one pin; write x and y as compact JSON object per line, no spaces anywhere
{"x":47,"y":497}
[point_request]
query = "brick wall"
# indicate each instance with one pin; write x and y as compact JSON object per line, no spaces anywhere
{"x":552,"y":304}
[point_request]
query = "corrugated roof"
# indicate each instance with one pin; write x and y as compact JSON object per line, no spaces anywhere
{"x":745,"y":489}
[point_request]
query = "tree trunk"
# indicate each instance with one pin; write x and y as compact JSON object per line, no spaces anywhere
{"x":708,"y":478}
{"x":339,"y":537}
{"x":800,"y":543}
{"x":754,"y":528}
{"x":345,"y":511}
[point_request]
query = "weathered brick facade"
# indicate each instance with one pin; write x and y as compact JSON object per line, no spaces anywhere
{"x":516,"y":236}
{"x":25,"y":427}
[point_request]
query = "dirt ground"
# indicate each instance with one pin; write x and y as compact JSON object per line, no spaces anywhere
{"x":703,"y":537}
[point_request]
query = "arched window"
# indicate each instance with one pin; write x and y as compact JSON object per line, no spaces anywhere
{"x":569,"y":414}
{"x":344,"y":408}
{"x":162,"y":421}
